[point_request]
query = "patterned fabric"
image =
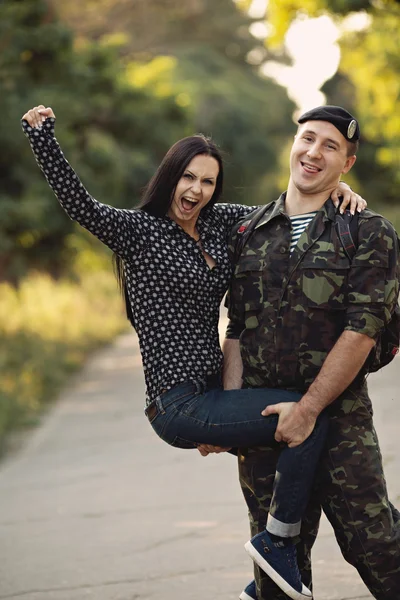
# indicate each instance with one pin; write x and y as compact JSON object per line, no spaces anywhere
{"x":289,"y":310}
{"x":175,"y":296}
{"x":299,"y":224}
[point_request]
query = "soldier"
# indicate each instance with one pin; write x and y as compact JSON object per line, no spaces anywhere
{"x":303,"y":317}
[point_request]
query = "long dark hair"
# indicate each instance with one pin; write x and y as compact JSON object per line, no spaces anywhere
{"x":159,"y":192}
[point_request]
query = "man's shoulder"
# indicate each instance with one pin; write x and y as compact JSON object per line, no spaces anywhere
{"x":367,"y":213}
{"x":376,"y":221}
{"x":240,"y":226}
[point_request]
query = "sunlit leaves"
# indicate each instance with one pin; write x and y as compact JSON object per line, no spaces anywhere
{"x":156,"y":74}
{"x":371,"y":60}
{"x":370,"y":63}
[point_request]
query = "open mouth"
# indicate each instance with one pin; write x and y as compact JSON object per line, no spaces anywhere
{"x":188,"y":204}
{"x":310,"y":168}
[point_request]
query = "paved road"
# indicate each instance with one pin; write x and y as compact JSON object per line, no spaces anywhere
{"x":95,"y":506}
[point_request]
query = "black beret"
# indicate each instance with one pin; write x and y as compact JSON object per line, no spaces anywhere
{"x":338,"y":116}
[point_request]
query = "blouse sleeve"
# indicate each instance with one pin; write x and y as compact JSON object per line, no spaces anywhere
{"x":124,"y":231}
{"x":232,"y":213}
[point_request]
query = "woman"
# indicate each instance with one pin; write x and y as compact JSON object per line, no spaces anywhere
{"x":174,"y":265}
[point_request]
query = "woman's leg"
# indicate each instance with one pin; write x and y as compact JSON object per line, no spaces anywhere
{"x":257,"y":467}
{"x":233,"y":418}
{"x":188,"y":416}
{"x":223,"y":418}
{"x":293,"y":481}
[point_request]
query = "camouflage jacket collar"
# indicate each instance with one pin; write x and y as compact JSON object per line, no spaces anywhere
{"x":328,"y":210}
{"x":277,"y":208}
{"x":313,"y":232}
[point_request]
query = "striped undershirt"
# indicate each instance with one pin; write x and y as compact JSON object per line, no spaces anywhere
{"x":299,"y":224}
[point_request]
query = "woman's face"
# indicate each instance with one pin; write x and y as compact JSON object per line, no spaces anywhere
{"x":194,"y":190}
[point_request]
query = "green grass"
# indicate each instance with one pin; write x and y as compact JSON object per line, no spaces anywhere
{"x":47,"y":329}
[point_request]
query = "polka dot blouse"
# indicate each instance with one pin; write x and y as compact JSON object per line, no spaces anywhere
{"x":175,"y":296}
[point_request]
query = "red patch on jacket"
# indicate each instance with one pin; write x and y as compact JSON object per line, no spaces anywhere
{"x":243,"y":227}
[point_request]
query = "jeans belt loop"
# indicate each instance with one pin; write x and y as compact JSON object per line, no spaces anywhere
{"x":159,"y":405}
{"x":200,"y":386}
{"x":155,"y":408}
{"x":151,"y":412}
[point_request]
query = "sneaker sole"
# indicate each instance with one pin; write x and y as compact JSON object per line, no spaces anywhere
{"x":274,"y":575}
{"x":244,"y":596}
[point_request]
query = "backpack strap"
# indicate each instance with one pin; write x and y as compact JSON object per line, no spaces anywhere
{"x":246,"y":229}
{"x":346,"y":226}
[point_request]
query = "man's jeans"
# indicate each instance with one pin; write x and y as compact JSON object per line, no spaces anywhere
{"x":191,"y":414}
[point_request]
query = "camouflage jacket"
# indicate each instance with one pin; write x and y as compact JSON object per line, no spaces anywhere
{"x":288,"y":310}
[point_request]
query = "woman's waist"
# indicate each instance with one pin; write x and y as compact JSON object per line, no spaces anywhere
{"x":167,"y":341}
{"x":186,"y":388}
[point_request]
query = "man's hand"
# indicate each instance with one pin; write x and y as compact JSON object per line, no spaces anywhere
{"x":206,"y":449}
{"x":294,"y":424}
{"x":37,"y":115}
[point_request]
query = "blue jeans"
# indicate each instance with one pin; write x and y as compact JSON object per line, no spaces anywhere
{"x":192,"y":413}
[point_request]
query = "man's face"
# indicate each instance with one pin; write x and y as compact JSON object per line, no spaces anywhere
{"x":318,"y":157}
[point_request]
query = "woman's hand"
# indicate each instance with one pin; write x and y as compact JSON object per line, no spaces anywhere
{"x":37,"y":115}
{"x":206,"y":449}
{"x":349,"y":197}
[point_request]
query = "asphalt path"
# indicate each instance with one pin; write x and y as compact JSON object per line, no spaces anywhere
{"x":94,"y":505}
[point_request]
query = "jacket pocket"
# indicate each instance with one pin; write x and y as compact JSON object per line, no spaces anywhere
{"x":248,"y":283}
{"x":325,"y":288}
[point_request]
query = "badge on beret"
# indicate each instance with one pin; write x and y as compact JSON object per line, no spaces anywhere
{"x":351,"y":129}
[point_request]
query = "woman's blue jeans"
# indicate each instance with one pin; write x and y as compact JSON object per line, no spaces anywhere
{"x":192,"y":413}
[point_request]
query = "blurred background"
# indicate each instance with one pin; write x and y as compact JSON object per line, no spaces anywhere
{"x":126,"y":79}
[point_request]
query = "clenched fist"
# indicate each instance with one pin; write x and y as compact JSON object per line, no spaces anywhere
{"x":37,"y":115}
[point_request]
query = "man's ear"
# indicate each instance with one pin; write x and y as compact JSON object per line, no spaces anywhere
{"x":349,"y":163}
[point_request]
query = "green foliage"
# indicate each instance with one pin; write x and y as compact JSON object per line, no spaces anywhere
{"x":122,"y":95}
{"x":248,"y":117}
{"x":46,"y":331}
{"x":281,"y":13}
{"x":112,"y":132}
{"x":367,"y":83}
{"x":151,"y":28}
{"x":371,"y":61}
{"x":199,"y":51}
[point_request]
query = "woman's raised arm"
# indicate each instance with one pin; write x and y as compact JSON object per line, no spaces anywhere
{"x":124,"y":231}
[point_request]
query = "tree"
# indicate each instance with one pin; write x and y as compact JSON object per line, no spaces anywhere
{"x":123,"y":95}
{"x":371,"y":61}
{"x":367,"y":82}
{"x":115,"y":132}
{"x":208,"y":44}
{"x":158,"y":27}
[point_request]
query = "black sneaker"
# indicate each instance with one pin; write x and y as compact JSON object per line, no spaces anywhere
{"x":280,"y":563}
